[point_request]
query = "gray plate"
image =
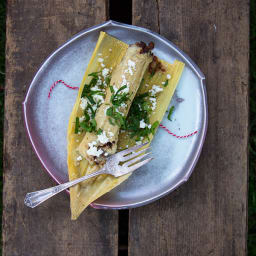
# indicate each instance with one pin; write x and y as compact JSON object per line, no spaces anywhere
{"x":46,"y":119}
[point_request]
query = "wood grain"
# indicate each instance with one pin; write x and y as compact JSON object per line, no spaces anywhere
{"x":206,"y":216}
{"x":34,"y":29}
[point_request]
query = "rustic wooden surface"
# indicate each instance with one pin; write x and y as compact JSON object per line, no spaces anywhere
{"x":34,"y":30}
{"x":206,"y":216}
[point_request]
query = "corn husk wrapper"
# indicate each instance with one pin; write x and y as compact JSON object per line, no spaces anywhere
{"x":112,"y":51}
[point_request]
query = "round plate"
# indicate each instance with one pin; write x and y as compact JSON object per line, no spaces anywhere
{"x":46,"y":119}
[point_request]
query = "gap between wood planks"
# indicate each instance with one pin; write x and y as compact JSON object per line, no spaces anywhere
{"x":122,"y":11}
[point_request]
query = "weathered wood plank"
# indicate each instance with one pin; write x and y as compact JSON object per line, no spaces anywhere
{"x":206,"y":216}
{"x":34,"y":30}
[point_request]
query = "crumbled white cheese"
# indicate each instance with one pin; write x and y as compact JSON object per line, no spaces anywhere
{"x":153,"y":102}
{"x":126,"y":90}
{"x":100,"y":60}
{"x":163,"y":82}
{"x":99,"y":54}
{"x":149,"y":126}
{"x":102,"y":138}
{"x":79,"y":133}
{"x":94,"y":151}
{"x":105,"y":72}
{"x":95,"y":88}
{"x":110,"y":134}
{"x":103,"y":65}
{"x":142,"y":124}
{"x":127,"y":146}
{"x":125,"y":82}
{"x":123,"y":105}
{"x":83,"y":103}
{"x":120,"y":112}
{"x":168,"y":76}
{"x":94,"y":107}
{"x":98,"y":98}
{"x":77,"y":140}
{"x":115,"y":89}
{"x":79,"y":158}
{"x":138,"y":142}
{"x":147,"y":85}
{"x":106,"y":154}
{"x":81,"y":119}
{"x":155,"y":89}
{"x":110,"y":49}
{"x":99,"y":82}
{"x":131,"y":65}
{"x":89,"y":111}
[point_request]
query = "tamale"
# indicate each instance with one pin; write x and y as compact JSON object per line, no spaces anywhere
{"x":112,"y":50}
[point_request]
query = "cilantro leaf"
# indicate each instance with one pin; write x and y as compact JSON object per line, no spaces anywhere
{"x":77,"y":125}
{"x":166,"y":82}
{"x":99,"y":131}
{"x":170,"y":113}
{"x":107,"y":80}
{"x":95,"y":74}
{"x":154,"y":126}
{"x":111,"y":89}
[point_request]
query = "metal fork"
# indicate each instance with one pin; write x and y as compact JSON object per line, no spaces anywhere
{"x":130,"y":159}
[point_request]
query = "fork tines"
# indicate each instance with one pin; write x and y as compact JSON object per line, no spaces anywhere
{"x":133,"y":155}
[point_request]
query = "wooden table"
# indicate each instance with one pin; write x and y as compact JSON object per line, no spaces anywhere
{"x":207,"y":215}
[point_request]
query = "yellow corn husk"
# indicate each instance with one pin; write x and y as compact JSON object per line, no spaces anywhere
{"x":86,"y":192}
{"x":163,"y":98}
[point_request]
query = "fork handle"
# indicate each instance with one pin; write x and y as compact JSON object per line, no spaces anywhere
{"x":33,"y":199}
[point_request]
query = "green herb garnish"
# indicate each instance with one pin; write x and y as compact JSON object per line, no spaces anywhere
{"x":111,"y":121}
{"x":111,"y":89}
{"x":109,"y":111}
{"x":140,"y":110}
{"x":93,"y":113}
{"x":89,"y":123}
{"x":154,"y":126}
{"x":89,"y":126}
{"x":97,"y":93}
{"x":93,"y":124}
{"x":107,"y":80}
{"x":95,"y":74}
{"x":99,"y":131}
{"x":115,"y":117}
{"x":170,"y":113}
{"x":118,"y":98}
{"x":166,"y":82}
{"x":86,"y":115}
{"x":90,"y":98}
{"x":87,"y":92}
{"x":77,"y":125}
